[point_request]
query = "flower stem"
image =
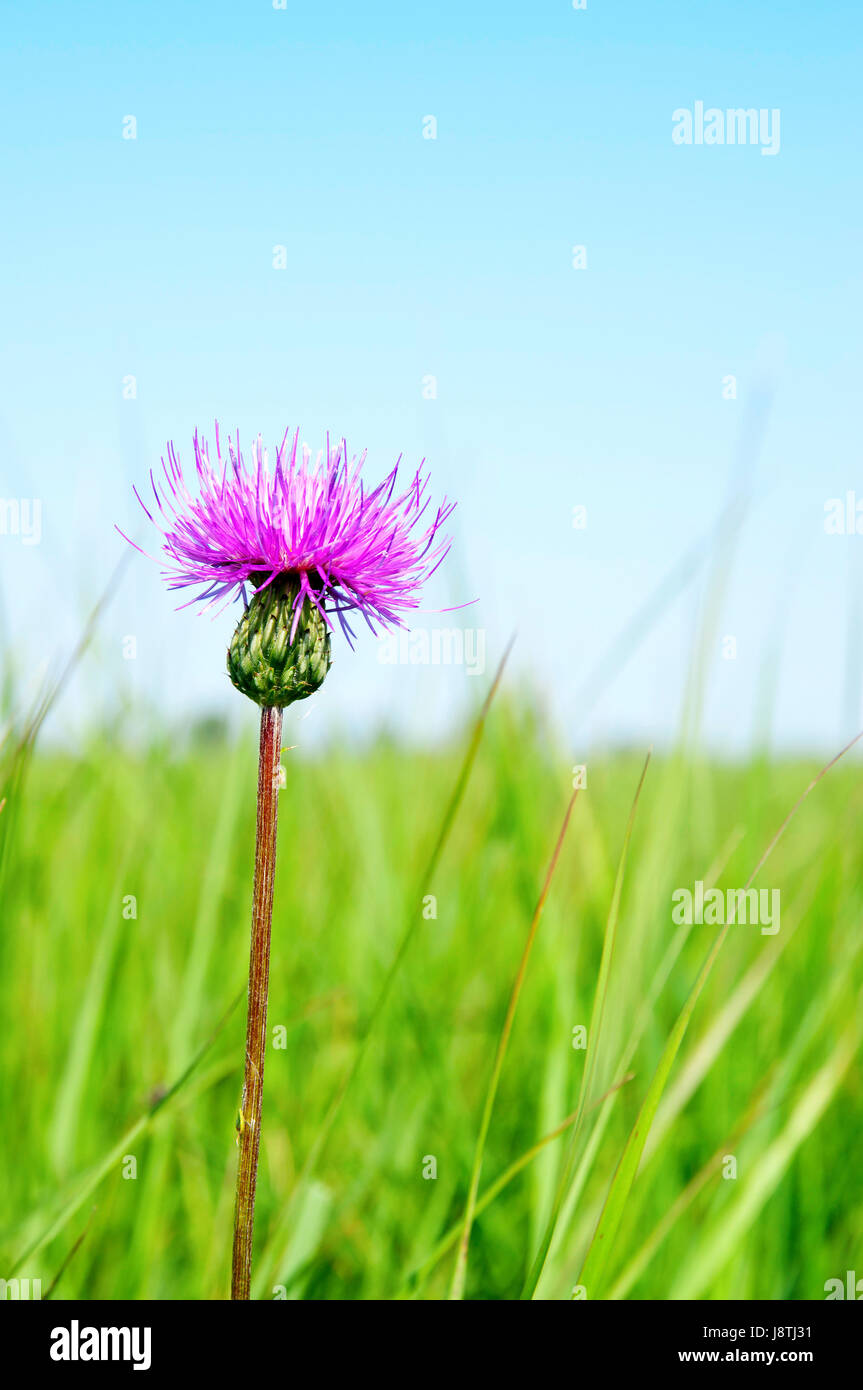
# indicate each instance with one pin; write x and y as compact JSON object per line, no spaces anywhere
{"x":249,"y":1123}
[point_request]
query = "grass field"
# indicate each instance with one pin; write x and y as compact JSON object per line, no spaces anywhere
{"x":126,"y":881}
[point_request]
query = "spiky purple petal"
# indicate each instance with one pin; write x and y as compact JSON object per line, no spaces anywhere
{"x":351,"y":549}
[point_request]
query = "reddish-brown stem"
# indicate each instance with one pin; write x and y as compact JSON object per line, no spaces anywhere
{"x":249,"y":1123}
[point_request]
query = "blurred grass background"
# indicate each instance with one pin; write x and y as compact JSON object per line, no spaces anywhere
{"x":103,"y":1012}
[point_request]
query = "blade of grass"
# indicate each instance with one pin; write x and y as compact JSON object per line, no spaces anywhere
{"x":412,"y":926}
{"x":729,"y":1228}
{"x":593,"y":1271}
{"x":593,"y":1037}
{"x":494,"y":1189}
{"x":658,"y":982}
{"x":66,"y":1262}
{"x":23,"y":751}
{"x":636,"y":629}
{"x":720,"y":1030}
{"x":770,"y":1093}
{"x":410,"y":1287}
{"x":101,"y":1169}
{"x":460,"y":1270}
{"x":62,"y":1135}
{"x":711,"y":1169}
{"x":713,"y":547}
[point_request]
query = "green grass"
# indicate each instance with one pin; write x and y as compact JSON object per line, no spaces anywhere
{"x":104,"y":1013}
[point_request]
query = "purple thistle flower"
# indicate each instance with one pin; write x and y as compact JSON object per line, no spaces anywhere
{"x":347,"y":549}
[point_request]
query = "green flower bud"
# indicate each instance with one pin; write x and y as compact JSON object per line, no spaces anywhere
{"x":263,"y":662}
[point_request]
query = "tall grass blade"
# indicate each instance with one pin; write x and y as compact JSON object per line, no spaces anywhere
{"x":460,"y":1270}
{"x":593,"y":1039}
{"x":724,"y":1236}
{"x":593,"y":1273}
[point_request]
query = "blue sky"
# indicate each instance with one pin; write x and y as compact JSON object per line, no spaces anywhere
{"x":409,"y":258}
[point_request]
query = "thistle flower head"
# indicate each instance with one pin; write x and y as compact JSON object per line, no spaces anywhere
{"x":309,"y":529}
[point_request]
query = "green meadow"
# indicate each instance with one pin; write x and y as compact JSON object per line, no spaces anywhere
{"x":713,"y":1123}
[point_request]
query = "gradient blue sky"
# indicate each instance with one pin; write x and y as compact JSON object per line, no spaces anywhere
{"x":452,"y":257}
